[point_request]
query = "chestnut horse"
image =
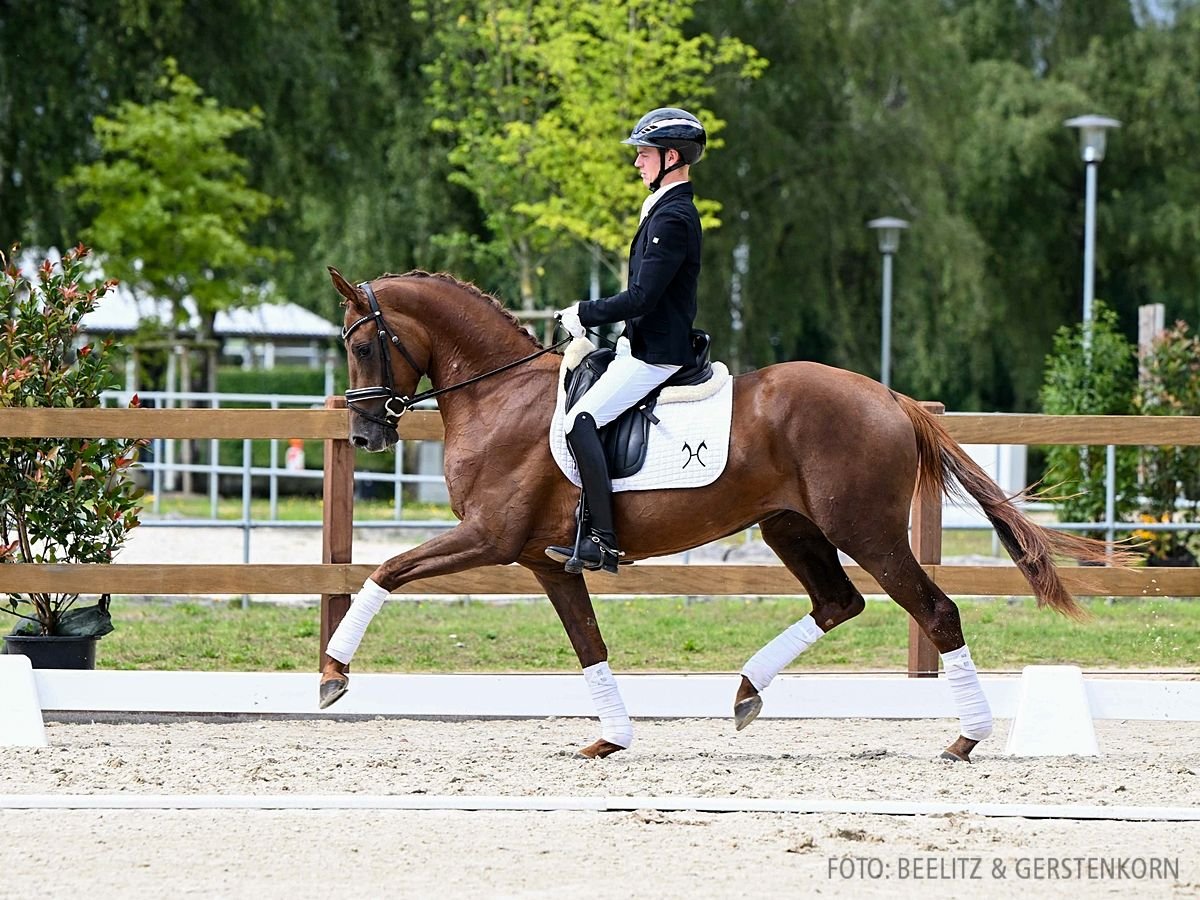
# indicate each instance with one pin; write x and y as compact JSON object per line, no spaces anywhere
{"x":821,"y":460}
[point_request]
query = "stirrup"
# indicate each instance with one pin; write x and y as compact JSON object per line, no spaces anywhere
{"x":589,"y":553}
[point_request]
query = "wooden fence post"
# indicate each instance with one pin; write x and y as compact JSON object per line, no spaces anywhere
{"x":337,"y":524}
{"x":927,"y":547}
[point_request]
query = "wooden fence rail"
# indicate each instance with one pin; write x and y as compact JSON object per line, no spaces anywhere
{"x":336,"y":578}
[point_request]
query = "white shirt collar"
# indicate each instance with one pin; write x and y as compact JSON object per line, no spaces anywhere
{"x":648,"y":203}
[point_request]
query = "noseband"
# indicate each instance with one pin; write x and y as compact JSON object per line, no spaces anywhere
{"x":387,"y":391}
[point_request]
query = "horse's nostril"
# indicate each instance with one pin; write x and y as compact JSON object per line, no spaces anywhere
{"x":358,"y":441}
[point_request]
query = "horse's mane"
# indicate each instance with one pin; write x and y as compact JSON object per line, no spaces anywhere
{"x":473,"y":291}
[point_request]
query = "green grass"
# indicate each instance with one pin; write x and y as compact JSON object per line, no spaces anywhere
{"x":289,"y":509}
{"x":660,"y":634}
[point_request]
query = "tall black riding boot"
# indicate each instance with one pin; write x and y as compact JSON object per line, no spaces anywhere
{"x":595,"y":545}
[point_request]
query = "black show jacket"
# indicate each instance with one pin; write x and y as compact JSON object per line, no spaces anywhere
{"x":659,"y":306}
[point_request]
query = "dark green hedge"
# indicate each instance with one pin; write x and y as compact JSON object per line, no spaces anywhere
{"x":280,"y":380}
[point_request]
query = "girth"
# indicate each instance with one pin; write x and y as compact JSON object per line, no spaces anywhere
{"x":627,"y":437}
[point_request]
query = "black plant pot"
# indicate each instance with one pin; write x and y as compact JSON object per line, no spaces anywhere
{"x":52,"y":651}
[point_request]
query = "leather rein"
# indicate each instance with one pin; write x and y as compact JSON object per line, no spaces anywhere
{"x":387,"y":391}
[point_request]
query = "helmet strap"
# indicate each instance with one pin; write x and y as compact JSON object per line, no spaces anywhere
{"x":664,"y":169}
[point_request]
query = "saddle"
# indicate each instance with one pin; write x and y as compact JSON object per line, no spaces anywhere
{"x":625,"y":439}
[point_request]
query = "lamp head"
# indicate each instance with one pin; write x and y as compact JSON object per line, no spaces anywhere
{"x":889,"y":232}
{"x":1093,"y":133}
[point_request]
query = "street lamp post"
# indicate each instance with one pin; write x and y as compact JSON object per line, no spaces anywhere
{"x":1093,"y":134}
{"x":889,"y":242}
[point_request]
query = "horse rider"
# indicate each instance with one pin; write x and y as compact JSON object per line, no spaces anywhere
{"x":658,"y":309}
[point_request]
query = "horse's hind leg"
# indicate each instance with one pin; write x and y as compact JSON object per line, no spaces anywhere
{"x":907,"y":583}
{"x":569,"y":596}
{"x":809,"y":556}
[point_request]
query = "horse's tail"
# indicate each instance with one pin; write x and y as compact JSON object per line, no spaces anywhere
{"x":944,"y":467}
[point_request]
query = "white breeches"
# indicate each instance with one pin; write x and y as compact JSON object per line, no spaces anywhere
{"x":626,"y":381}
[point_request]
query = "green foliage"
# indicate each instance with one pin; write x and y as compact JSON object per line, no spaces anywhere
{"x":173,"y":209}
{"x":61,"y":500}
{"x":858,"y":116}
{"x":1149,"y":229}
{"x":1096,"y":378}
{"x":1170,"y":476}
{"x":945,"y":112}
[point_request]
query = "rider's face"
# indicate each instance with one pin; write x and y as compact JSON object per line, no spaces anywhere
{"x":648,"y":163}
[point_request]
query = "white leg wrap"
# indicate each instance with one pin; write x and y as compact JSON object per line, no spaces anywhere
{"x":974,"y":714}
{"x":615,"y":726}
{"x":349,"y":633}
{"x":775,"y":656}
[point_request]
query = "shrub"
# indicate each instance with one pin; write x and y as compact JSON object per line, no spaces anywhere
{"x":62,"y":500}
{"x":1170,"y":476}
{"x":1095,"y":379}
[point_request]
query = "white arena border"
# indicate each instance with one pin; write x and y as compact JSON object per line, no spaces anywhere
{"x":542,"y":695}
{"x":589,"y":804}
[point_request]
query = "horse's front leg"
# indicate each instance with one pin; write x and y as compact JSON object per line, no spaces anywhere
{"x":569,"y":596}
{"x":464,"y":547}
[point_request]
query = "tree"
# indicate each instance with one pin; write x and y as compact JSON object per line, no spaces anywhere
{"x":1149,"y":213}
{"x":537,"y":95}
{"x":172,"y":205}
{"x":857,"y":117}
{"x":587,"y":51}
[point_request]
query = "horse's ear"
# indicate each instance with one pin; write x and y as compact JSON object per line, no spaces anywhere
{"x":345,"y":288}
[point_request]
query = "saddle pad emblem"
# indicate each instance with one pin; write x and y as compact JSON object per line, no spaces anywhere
{"x":689,"y":446}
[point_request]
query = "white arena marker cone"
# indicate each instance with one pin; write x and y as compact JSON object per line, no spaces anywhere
{"x":20,"y":712}
{"x":1053,"y":715}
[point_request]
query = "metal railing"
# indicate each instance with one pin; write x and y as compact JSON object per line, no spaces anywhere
{"x":163,"y":465}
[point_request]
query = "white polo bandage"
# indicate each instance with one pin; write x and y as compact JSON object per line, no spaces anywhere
{"x":349,"y":633}
{"x":615,"y":726}
{"x":775,"y":656}
{"x":974,"y":714}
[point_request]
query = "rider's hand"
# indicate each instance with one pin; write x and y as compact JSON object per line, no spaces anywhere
{"x":569,"y":318}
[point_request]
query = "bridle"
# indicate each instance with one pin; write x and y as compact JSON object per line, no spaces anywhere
{"x":387,"y":391}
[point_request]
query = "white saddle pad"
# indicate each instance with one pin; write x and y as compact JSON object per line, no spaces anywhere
{"x":687,"y":448}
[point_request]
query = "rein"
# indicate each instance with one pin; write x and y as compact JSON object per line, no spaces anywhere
{"x":387,"y":390}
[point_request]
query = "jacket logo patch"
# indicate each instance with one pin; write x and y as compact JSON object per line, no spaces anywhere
{"x":654,"y":240}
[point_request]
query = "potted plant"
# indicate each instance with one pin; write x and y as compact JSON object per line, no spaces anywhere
{"x":62,"y":500}
{"x":1169,"y":385}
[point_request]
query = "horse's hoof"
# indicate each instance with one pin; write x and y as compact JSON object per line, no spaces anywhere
{"x":598,"y":750}
{"x":960,"y":750}
{"x":746,"y":711}
{"x":332,"y":690}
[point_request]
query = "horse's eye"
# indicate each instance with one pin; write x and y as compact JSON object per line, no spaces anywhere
{"x":363,"y":350}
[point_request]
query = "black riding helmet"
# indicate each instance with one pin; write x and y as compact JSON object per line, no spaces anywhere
{"x":669,"y":128}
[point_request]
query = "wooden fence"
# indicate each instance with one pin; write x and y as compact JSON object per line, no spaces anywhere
{"x":336,"y":578}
